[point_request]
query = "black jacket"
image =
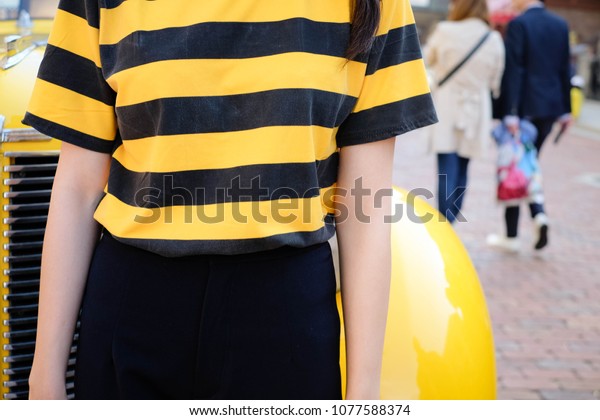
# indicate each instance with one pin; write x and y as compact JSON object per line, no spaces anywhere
{"x":536,"y":81}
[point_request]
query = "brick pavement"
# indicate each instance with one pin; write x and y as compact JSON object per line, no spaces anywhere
{"x":544,"y":306}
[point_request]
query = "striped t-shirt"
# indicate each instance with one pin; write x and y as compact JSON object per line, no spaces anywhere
{"x":224,"y":118}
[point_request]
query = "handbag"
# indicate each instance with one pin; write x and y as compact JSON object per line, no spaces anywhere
{"x":518,"y":174}
{"x":512,"y":183}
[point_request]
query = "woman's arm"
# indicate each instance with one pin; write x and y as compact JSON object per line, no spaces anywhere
{"x":71,"y":234}
{"x":365,"y":260}
{"x":498,"y":70}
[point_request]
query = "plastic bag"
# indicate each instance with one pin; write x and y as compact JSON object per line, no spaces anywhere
{"x":519,"y":177}
{"x":512,"y":183}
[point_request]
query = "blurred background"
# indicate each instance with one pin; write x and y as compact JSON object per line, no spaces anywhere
{"x":583,"y":17}
{"x":544,"y":306}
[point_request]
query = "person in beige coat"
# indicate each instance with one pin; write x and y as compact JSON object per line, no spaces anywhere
{"x":463,"y":103}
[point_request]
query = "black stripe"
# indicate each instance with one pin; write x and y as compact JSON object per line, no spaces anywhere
{"x":397,"y":46}
{"x":386,"y":121}
{"x":85,"y":9}
{"x":178,"y":248}
{"x":76,"y":73}
{"x":112,"y":4}
{"x":210,"y":186}
{"x":214,"y":40}
{"x":68,"y":135}
{"x":327,"y":170}
{"x":189,"y":115}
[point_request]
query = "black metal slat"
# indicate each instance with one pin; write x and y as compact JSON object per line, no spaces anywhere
{"x":21,"y":296}
{"x":41,"y":180}
{"x":19,"y":358}
{"x":20,"y":308}
{"x":16,"y":395}
{"x":30,"y":179}
{"x":15,"y":383}
{"x":23,"y":245}
{"x":23,"y":370}
{"x":26,"y":207}
{"x":22,"y":271}
{"x":20,"y":346}
{"x":27,"y":194}
{"x":39,"y":154}
{"x":25,"y":219}
{"x":21,"y":284}
{"x":15,"y":322}
{"x":20,"y":334}
{"x":23,"y":258}
{"x":31,"y":168}
{"x":13,"y":233}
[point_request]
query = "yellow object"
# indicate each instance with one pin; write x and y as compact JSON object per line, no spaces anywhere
{"x":439,"y":342}
{"x":577,"y":98}
{"x":21,"y":150}
{"x":17,"y":83}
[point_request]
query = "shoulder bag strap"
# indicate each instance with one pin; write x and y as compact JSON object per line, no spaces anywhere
{"x":464,"y":60}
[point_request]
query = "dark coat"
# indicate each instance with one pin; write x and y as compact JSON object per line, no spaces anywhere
{"x":536,"y":81}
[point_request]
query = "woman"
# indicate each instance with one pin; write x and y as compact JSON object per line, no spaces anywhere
{"x":463,"y":102}
{"x":205,"y":139}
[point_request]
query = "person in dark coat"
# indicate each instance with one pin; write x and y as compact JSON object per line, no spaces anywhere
{"x":535,"y":86}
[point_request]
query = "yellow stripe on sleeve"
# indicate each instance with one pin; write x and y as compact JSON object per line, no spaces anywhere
{"x":393,"y":84}
{"x":74,"y":34}
{"x":395,"y":14}
{"x":73,"y":110}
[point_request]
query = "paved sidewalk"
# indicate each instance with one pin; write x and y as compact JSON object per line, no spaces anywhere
{"x":545,"y":306}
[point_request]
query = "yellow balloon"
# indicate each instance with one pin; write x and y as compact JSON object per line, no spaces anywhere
{"x":438,"y":342}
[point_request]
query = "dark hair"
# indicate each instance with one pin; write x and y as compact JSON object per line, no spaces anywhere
{"x":365,"y":21}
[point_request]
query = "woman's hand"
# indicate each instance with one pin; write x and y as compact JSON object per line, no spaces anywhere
{"x":71,"y":234}
{"x":363,"y":200}
{"x":46,"y":385}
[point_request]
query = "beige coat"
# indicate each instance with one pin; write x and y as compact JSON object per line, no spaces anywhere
{"x":463,"y":103}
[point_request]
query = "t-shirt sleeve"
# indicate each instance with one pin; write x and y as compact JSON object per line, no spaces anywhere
{"x":395,"y":96}
{"x":71,"y":100}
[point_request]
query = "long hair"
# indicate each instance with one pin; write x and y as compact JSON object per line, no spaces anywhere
{"x":463,"y":9}
{"x":365,"y":21}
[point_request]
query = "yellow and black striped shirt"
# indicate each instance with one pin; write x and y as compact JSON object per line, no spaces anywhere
{"x":224,"y":118}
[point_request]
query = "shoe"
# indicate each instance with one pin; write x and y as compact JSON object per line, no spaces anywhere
{"x":541,"y":229}
{"x":503,"y":243}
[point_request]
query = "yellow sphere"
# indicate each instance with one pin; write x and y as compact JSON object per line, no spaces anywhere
{"x":438,"y":342}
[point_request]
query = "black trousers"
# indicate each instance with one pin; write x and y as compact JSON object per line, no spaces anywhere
{"x":511,"y":213}
{"x":255,"y":326}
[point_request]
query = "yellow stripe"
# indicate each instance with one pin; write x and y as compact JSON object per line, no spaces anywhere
{"x":131,"y":16}
{"x":239,"y":76}
{"x":395,"y":14}
{"x":73,"y":110}
{"x":194,"y":222}
{"x":74,"y":34}
{"x":289,"y":144}
{"x":328,"y":195}
{"x":393,"y":84}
